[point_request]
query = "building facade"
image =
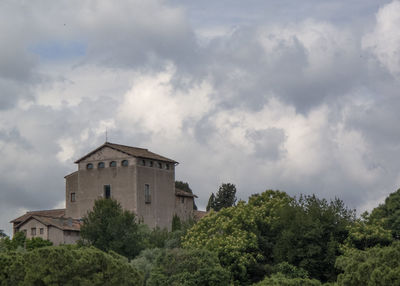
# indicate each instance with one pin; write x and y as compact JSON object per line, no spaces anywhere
{"x":141,"y":181}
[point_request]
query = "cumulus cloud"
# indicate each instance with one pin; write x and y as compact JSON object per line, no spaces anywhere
{"x":384,"y":40}
{"x":307,"y":104}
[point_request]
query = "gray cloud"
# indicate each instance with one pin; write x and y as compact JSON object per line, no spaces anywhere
{"x":269,"y":95}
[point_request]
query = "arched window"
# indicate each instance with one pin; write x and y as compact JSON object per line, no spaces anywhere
{"x":113,"y":164}
{"x":89,"y":166}
{"x":101,"y":165}
{"x":125,"y":163}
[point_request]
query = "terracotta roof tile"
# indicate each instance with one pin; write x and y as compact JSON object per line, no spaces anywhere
{"x":132,"y":151}
{"x":45,"y":213}
{"x":181,"y":193}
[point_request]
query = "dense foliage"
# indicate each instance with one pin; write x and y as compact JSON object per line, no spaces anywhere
{"x":224,"y":198}
{"x":65,"y":265}
{"x":272,"y":228}
{"x":372,"y":267}
{"x":273,"y":239}
{"x":109,"y":227}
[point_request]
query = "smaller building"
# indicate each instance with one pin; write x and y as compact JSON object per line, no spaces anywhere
{"x":49,"y":225}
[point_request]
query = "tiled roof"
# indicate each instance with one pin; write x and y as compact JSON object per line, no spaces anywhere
{"x":56,"y":213}
{"x":132,"y":151}
{"x":197,"y":215}
{"x":181,"y":193}
{"x":61,"y":223}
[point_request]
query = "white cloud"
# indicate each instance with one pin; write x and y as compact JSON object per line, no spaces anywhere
{"x":384,"y":40}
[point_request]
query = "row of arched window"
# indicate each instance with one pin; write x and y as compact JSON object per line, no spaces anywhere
{"x":102,"y":165}
{"x":125,"y":163}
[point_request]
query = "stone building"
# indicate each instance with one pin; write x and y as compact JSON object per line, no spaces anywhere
{"x":141,"y":181}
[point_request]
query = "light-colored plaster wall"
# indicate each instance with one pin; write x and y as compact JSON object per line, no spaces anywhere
{"x":33,"y":223}
{"x":162,"y":189}
{"x":71,"y":186}
{"x":91,"y":182}
{"x":184,"y":210}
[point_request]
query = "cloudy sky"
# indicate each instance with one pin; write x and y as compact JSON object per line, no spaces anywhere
{"x":301,"y":96}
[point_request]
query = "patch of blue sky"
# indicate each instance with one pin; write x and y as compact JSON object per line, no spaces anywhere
{"x":59,"y":50}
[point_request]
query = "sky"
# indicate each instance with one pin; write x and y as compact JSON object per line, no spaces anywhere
{"x":300,"y":96}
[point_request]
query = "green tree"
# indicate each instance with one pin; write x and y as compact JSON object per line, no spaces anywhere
{"x":184,"y":186}
{"x":310,"y":232}
{"x":240,"y":235}
{"x":2,"y":234}
{"x":66,"y":265}
{"x":187,"y":268}
{"x":225,"y":197}
{"x":280,"y":279}
{"x":109,"y":227}
{"x":389,"y":214}
{"x":211,"y":203}
{"x":371,"y":267}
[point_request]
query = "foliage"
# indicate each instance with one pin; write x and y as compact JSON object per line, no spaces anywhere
{"x":290,"y":271}
{"x":187,"y":267}
{"x":211,"y":203}
{"x":363,"y":235}
{"x":2,"y":234}
{"x":145,"y":261}
{"x":310,"y":231}
{"x":372,"y":267}
{"x":184,"y":186}
{"x":389,"y":214}
{"x":19,"y":241}
{"x":109,"y":227}
{"x":234,"y":234}
{"x":281,"y":280}
{"x":176,"y":223}
{"x":66,"y":265}
{"x":225,"y":197}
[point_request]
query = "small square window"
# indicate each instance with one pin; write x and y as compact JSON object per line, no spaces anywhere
{"x":72,"y":197}
{"x":125,"y":163}
{"x":41,"y":230}
{"x":33,"y":231}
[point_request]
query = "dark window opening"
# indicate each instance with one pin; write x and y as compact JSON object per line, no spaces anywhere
{"x":143,"y":162}
{"x":167,"y":166}
{"x":147,"y":196}
{"x":159,"y":165}
{"x":107,"y":191}
{"x":72,"y":197}
{"x":113,"y":164}
{"x":101,"y":165}
{"x":89,"y":166}
{"x":151,"y":163}
{"x":33,"y":231}
{"x":125,"y":163}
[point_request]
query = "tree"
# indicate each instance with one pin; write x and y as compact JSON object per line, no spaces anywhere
{"x":67,"y":265}
{"x":388,"y":214}
{"x":281,"y":280}
{"x":225,"y":197}
{"x":211,"y":203}
{"x":109,"y":227}
{"x":187,"y":267}
{"x":234,"y":234}
{"x":185,"y":187}
{"x":374,"y":266}
{"x":2,"y":234}
{"x":310,"y":232}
